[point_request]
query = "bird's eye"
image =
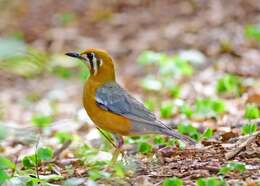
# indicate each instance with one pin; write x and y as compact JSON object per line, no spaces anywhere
{"x":90,"y":56}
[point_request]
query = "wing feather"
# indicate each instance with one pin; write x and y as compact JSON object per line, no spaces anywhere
{"x":114,"y":98}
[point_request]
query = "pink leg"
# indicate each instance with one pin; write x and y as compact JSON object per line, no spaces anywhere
{"x":120,"y":141}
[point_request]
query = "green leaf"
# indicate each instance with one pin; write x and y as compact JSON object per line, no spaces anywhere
{"x":166,"y":110}
{"x":158,"y":140}
{"x":5,"y":163}
{"x":251,"y":112}
{"x":148,"y":57}
{"x":175,"y":91}
{"x":209,"y":107}
{"x":248,"y":128}
{"x":96,"y":174}
{"x":229,"y":84}
{"x":41,"y":121}
{"x":188,"y":129}
{"x":252,"y":32}
{"x":63,"y":136}
{"x":237,"y":166}
{"x":33,"y":181}
{"x":119,"y":170}
{"x":224,"y":170}
{"x":208,"y":133}
{"x":149,"y":104}
{"x":3,"y":176}
{"x":174,"y":65}
{"x":62,"y":72}
{"x":172,"y":182}
{"x":44,"y":153}
{"x":144,"y":148}
{"x":211,"y":181}
{"x":201,"y":182}
{"x":186,"y":110}
{"x":29,"y":161}
{"x":232,"y":166}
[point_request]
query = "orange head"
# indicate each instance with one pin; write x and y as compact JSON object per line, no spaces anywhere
{"x":99,"y":63}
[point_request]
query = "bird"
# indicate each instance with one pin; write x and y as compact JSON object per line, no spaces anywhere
{"x":111,"y":107}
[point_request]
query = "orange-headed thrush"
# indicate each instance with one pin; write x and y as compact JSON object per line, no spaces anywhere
{"x":111,"y":108}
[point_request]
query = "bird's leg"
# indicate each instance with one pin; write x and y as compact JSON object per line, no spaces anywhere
{"x":120,"y":141}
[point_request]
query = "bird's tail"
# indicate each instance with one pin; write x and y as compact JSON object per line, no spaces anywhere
{"x":175,"y":134}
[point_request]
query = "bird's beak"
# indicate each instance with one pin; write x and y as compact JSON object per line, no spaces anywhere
{"x":75,"y":55}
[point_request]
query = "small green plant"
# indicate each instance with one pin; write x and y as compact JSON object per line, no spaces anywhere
{"x":41,"y":121}
{"x":209,"y":107}
{"x":5,"y":164}
{"x":173,"y":182}
{"x":186,"y":110}
{"x":229,"y":84}
{"x":148,"y":57}
{"x":96,"y":174}
{"x":251,"y":112}
{"x":252,"y":32}
{"x":168,"y":65}
{"x":166,"y":110}
{"x":208,"y":133}
{"x":232,"y":166}
{"x":63,"y":136}
{"x":211,"y":181}
{"x":29,"y":161}
{"x":33,"y":161}
{"x":193,"y":132}
{"x":149,"y":104}
{"x":144,"y":148}
{"x":159,"y":140}
{"x":188,"y":129}
{"x":248,"y":128}
{"x":175,"y":91}
{"x":119,"y":170}
{"x":42,"y":154}
{"x":174,"y":65}
{"x":62,"y":72}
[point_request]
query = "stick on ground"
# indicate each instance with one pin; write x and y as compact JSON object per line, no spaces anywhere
{"x":231,"y":154}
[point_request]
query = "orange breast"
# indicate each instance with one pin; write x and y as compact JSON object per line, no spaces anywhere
{"x":104,"y":119}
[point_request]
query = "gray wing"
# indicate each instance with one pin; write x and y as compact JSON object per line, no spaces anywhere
{"x":114,"y":98}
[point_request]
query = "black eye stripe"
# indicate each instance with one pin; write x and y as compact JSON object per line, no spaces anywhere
{"x":91,"y":66}
{"x":98,"y":62}
{"x":90,"y":56}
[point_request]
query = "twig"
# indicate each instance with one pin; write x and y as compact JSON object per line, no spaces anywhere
{"x":236,"y":150}
{"x":36,"y":158}
{"x":61,"y":149}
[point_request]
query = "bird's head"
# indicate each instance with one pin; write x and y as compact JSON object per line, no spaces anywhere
{"x":98,"y":61}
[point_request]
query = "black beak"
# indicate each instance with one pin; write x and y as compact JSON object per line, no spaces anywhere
{"x":75,"y":55}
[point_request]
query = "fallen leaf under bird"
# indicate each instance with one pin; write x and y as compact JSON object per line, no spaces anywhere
{"x":111,"y":108}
